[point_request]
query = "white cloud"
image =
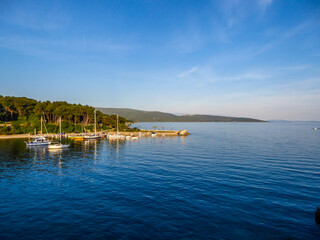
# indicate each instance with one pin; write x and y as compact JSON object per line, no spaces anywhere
{"x":187,"y":73}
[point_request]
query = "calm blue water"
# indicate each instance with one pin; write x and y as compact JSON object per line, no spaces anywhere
{"x":225,"y":181}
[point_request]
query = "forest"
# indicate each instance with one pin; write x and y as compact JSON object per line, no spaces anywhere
{"x":22,"y":115}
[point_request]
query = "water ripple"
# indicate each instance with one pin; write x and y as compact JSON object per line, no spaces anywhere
{"x":225,"y":181}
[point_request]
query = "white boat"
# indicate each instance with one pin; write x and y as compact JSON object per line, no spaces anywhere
{"x":58,"y":145}
{"x":39,"y":140}
{"x":134,"y":137}
{"x":116,"y":136}
{"x":88,"y":137}
{"x":112,"y":136}
{"x":93,"y":136}
{"x":153,"y":134}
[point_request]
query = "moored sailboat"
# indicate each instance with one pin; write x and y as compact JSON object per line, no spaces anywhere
{"x":112,"y":136}
{"x":58,"y":145}
{"x":93,"y":136}
{"x":39,"y":140}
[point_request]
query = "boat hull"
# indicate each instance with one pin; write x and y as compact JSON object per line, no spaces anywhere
{"x":116,"y":137}
{"x":58,"y":146}
{"x":91,"y":137}
{"x":29,"y":144}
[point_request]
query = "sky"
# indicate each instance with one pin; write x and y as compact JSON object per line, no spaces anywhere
{"x":243,"y":58}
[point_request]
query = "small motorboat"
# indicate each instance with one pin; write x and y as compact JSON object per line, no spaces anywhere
{"x":134,"y":137}
{"x":58,"y":146}
{"x":76,"y":137}
{"x":38,"y":141}
{"x":93,"y":136}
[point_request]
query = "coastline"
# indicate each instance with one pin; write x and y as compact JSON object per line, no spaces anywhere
{"x":14,"y":136}
{"x":142,"y":131}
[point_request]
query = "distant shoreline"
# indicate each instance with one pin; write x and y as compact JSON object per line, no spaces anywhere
{"x":143,"y":131}
{"x":156,"y":116}
{"x":14,"y":136}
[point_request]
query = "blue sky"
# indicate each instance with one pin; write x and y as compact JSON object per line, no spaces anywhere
{"x":258,"y":58}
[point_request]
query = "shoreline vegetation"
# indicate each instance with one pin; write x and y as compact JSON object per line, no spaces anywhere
{"x":21,"y":115}
{"x":145,"y":132}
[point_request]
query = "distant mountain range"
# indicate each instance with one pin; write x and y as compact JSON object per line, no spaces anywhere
{"x":154,"y":116}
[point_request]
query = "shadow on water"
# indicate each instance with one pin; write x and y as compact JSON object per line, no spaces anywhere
{"x":12,"y":148}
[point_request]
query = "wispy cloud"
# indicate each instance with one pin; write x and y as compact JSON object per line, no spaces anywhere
{"x":189,"y":37}
{"x":44,"y":47}
{"x":264,"y":4}
{"x":280,"y":100}
{"x":295,"y":67}
{"x":202,"y":76}
{"x":40,"y":16}
{"x":187,"y":42}
{"x":27,"y":45}
{"x":301,"y":28}
{"x":187,"y":73}
{"x":245,"y":76}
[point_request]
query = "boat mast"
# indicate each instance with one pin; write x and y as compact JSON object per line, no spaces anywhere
{"x":95,"y":123}
{"x":117,"y":124}
{"x":41,"y":125}
{"x":60,"y":130}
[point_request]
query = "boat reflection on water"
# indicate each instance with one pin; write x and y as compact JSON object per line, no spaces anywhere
{"x":58,"y":153}
{"x":80,"y":152}
{"x":92,"y":144}
{"x":38,"y":151}
{"x":115,"y":145}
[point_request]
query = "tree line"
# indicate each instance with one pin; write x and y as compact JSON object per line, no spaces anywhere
{"x":24,"y":115}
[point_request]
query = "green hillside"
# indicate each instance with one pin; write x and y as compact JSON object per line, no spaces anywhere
{"x":150,"y":116}
{"x":20,"y":115}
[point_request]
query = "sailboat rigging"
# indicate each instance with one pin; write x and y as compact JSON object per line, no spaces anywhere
{"x":116,"y":136}
{"x":39,"y":140}
{"x":94,"y":136}
{"x":58,"y":145}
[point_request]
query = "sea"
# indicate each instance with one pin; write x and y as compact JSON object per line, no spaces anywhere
{"x":224,"y":181}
